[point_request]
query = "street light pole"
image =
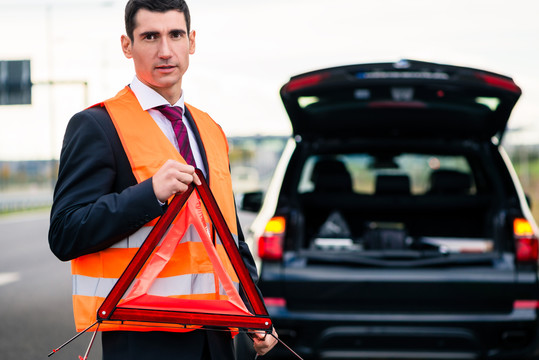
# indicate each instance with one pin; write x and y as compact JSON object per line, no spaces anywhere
{"x":50,"y":67}
{"x":52,"y":83}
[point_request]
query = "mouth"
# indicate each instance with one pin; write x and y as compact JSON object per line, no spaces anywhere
{"x":165,"y":68}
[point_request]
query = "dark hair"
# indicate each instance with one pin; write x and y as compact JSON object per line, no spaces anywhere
{"x":133,"y":6}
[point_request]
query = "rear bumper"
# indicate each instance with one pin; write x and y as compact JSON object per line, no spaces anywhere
{"x":319,"y":335}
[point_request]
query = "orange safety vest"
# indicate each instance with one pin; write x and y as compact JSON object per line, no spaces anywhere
{"x":189,"y":273}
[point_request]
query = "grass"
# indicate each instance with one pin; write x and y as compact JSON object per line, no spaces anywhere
{"x":529,"y":178}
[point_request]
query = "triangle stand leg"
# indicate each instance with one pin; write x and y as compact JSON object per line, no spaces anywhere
{"x":90,"y":345}
{"x":73,"y":338}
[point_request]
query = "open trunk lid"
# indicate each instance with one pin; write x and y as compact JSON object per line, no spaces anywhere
{"x":411,"y":98}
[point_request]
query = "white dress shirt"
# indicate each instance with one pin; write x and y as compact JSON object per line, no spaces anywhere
{"x":149,"y":99}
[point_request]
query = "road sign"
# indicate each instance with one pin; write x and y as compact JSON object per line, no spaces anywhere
{"x":15,"y":82}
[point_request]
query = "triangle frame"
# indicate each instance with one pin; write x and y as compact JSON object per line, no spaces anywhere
{"x":221,"y":313}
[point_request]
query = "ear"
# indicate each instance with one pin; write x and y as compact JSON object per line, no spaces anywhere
{"x":126,"y":46}
{"x":192,"y":42}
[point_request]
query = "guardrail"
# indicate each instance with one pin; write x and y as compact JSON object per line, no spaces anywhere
{"x":24,"y":200}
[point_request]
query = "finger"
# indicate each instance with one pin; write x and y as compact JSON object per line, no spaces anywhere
{"x":257,"y":335}
{"x":186,"y":168}
{"x":196,"y":179}
{"x":262,"y":347}
{"x":180,"y":187}
{"x":186,"y":177}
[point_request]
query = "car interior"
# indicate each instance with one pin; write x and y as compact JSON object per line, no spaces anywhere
{"x":369,"y":202}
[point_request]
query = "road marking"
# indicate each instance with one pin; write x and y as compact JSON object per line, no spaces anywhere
{"x":7,"y":278}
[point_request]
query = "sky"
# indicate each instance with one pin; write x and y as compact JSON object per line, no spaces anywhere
{"x":247,"y":49}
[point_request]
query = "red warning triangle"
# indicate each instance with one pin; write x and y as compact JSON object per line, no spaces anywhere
{"x":129,"y":299}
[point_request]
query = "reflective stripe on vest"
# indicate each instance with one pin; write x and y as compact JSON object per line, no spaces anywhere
{"x":135,"y":240}
{"x":198,"y":284}
{"x":188,"y":274}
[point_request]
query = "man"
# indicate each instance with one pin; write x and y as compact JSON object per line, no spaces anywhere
{"x":121,"y":161}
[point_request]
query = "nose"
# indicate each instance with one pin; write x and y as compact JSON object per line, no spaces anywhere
{"x":164,"y":48}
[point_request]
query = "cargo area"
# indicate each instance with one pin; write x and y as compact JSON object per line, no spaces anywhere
{"x":396,"y":206}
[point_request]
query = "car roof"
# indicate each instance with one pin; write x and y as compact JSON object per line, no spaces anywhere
{"x":405,"y":98}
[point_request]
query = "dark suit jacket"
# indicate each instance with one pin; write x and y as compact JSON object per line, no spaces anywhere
{"x":98,"y":202}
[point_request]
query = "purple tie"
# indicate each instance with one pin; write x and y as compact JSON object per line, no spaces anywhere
{"x":174,"y":114}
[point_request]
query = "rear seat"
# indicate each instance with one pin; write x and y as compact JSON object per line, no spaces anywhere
{"x":392,"y":185}
{"x":331,"y":175}
{"x":445,"y":181}
{"x":447,"y":209}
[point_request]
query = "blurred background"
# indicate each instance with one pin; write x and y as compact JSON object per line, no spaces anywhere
{"x":59,"y":56}
{"x":66,"y":55}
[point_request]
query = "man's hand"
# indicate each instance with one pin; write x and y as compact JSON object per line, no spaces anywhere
{"x":263,"y":342}
{"x":172,"y":178}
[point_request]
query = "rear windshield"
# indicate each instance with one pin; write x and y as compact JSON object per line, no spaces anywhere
{"x":395,"y":202}
{"x":366,"y":171}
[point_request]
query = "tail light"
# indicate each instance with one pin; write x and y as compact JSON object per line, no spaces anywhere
{"x":526,"y":243}
{"x":500,"y":82}
{"x":275,"y":302}
{"x":305,"y":81}
{"x":526,"y":304}
{"x":270,"y":244}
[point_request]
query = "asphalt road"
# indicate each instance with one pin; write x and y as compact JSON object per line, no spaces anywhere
{"x":35,"y":293}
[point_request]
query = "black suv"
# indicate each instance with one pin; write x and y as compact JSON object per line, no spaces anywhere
{"x":395,"y":226}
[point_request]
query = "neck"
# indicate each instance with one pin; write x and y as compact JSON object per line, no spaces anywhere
{"x":171,"y":96}
{"x":171,"y":93}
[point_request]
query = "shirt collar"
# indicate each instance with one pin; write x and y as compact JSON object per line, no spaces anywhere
{"x":148,"y":97}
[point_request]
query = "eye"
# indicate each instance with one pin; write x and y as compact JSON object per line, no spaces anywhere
{"x":177,"y":34}
{"x":149,"y":36}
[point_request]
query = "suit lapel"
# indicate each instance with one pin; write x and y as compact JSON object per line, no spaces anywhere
{"x":200,"y":145}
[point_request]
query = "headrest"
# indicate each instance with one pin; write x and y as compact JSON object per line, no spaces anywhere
{"x":450,"y":182}
{"x":392,"y":185}
{"x":332,"y":176}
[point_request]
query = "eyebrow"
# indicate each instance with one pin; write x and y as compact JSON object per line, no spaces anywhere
{"x":178,"y":31}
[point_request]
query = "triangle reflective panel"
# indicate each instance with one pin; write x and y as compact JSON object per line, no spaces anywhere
{"x":132,"y":299}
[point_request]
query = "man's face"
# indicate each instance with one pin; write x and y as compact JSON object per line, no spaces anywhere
{"x":160,"y":50}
